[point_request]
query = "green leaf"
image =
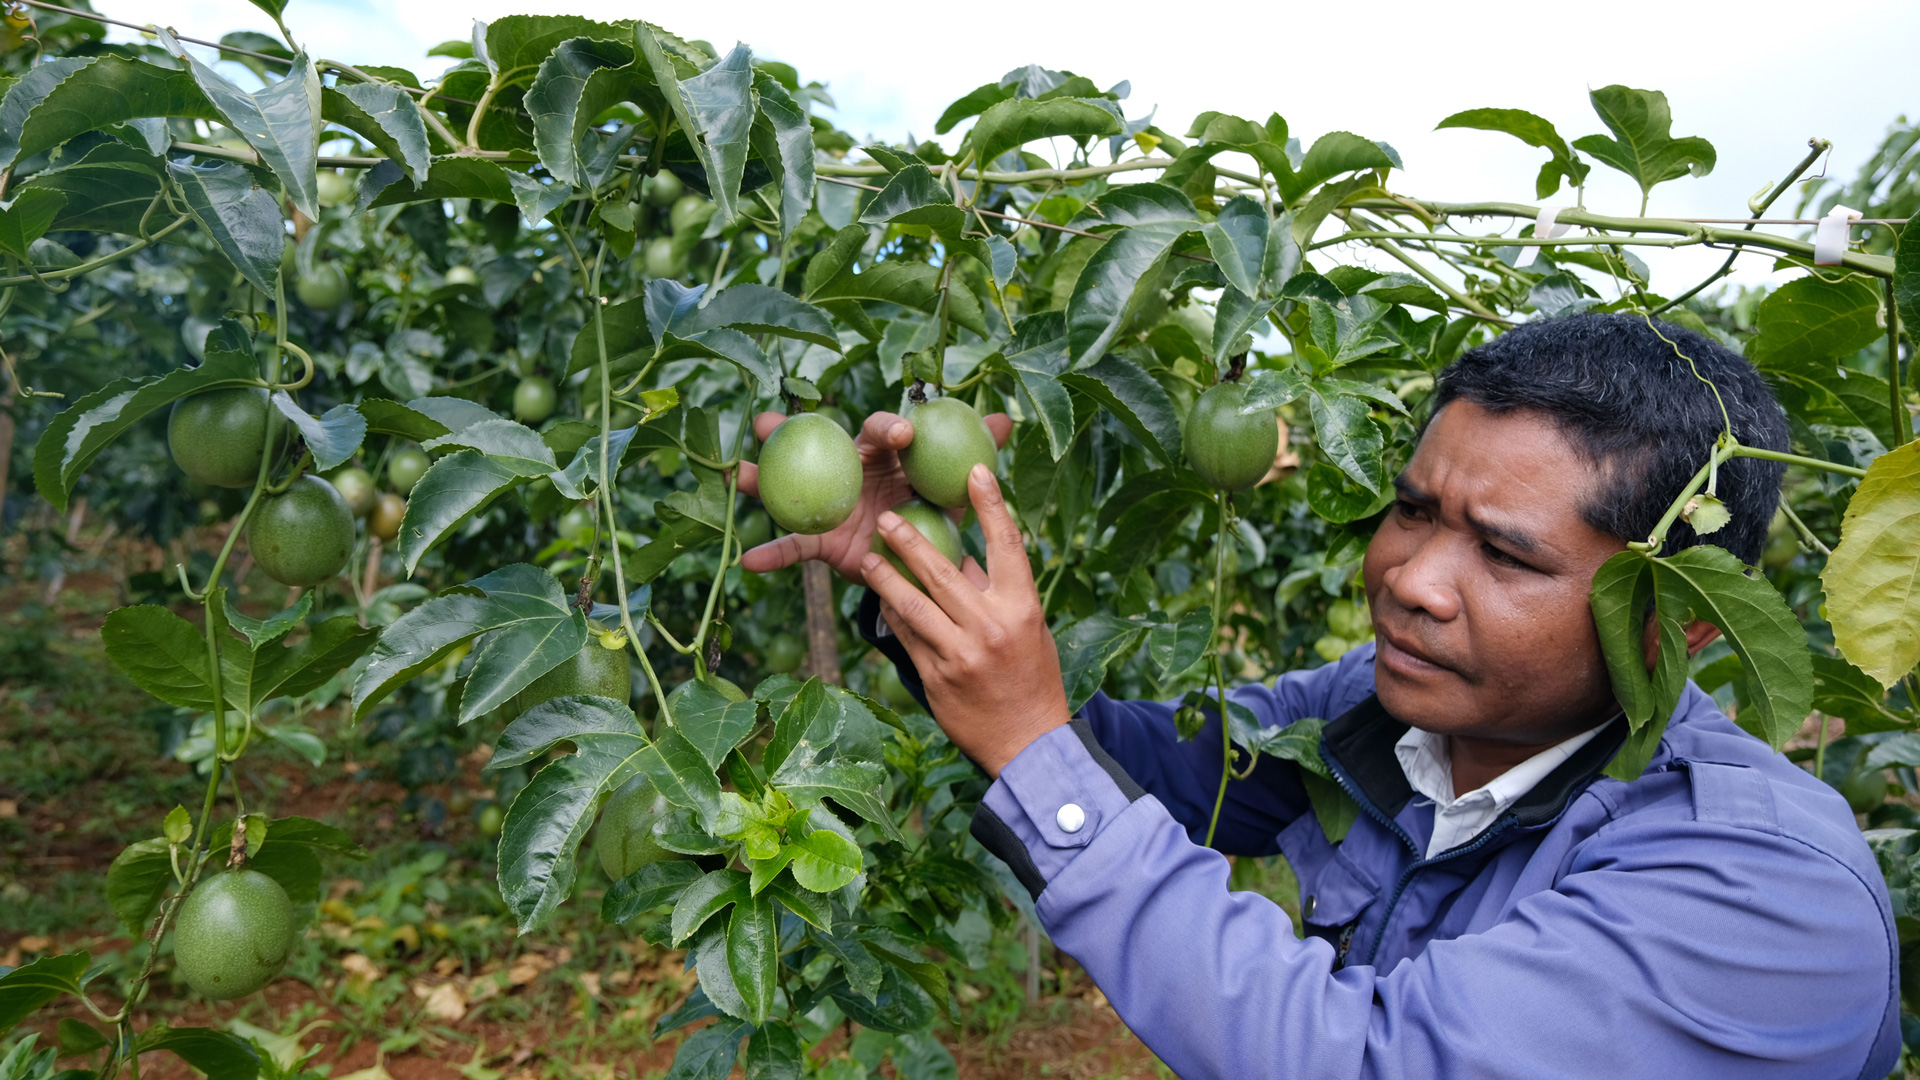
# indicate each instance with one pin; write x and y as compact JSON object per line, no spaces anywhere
{"x":824,"y":861}
{"x":1332,"y":154}
{"x":136,"y":880}
{"x":927,"y":975}
{"x":678,"y":771}
{"x":75,"y":437}
{"x":107,"y":190}
{"x":1906,"y":275}
{"x":1715,"y":587}
{"x":384,"y":114}
{"x":1238,"y":314}
{"x":1873,"y":576}
{"x":838,"y":254}
{"x":1009,"y":125}
{"x":66,"y":96}
{"x":162,"y":653}
{"x":1534,"y":131}
{"x":1815,"y":319}
{"x":774,"y":1053}
{"x":783,"y":137}
{"x":454,"y":489}
{"x":26,"y":218}
{"x":386,"y":417}
{"x":248,"y":680}
{"x":973,"y":103}
{"x":1623,"y":590}
{"x":1643,"y":146}
{"x":563,"y":132}
{"x":1088,"y":646}
{"x":689,"y":520}
{"x":712,"y":722}
{"x":280,"y":120}
{"x":708,"y":1054}
{"x":1840,"y":689}
{"x":221,"y":1055}
{"x":451,"y":178}
{"x":715,"y":111}
{"x":179,"y":825}
{"x":1173,"y":647}
{"x":753,"y":955}
{"x":26,"y":988}
{"x":529,"y":617}
{"x":1344,"y":427}
{"x":540,"y":840}
{"x":76,"y":1037}
{"x":855,"y":785}
{"x":909,"y":284}
{"x":241,"y":217}
{"x":332,"y":438}
{"x":759,"y":309}
{"x":1238,"y":241}
{"x":863,"y":971}
{"x":1139,"y":402}
{"x":505,"y":442}
{"x":1268,"y":390}
{"x":815,"y":908}
{"x":706,"y":898}
{"x":647,"y":888}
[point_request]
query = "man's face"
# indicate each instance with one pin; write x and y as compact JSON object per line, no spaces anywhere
{"x":1478,"y":579}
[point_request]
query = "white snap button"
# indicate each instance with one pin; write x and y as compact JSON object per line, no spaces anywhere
{"x":1071,"y":818}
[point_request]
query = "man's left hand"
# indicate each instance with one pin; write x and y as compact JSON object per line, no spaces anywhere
{"x":979,"y":638}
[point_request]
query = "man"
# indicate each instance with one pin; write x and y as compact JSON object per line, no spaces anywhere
{"x":1499,"y":908}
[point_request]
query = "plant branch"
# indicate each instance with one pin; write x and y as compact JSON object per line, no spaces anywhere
{"x":94,"y":264}
{"x":1816,"y":148}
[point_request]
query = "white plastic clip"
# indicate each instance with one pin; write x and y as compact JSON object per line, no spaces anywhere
{"x":1545,"y":227}
{"x":1831,"y":235}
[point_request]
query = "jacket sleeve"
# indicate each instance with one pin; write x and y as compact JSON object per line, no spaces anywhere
{"x":1185,"y":776}
{"x":1669,"y":948}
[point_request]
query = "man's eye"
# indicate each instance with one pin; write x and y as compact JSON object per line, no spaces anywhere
{"x":1503,"y":558}
{"x":1409,"y":510}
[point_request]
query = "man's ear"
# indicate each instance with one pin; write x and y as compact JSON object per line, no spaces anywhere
{"x":1699,"y":636}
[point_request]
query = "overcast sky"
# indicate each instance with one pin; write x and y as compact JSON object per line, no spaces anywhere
{"x":1756,"y":78}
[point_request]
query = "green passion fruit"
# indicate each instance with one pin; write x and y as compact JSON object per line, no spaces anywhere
{"x":323,"y":289}
{"x":218,"y":437}
{"x":302,"y":537}
{"x":335,"y":189}
{"x":624,"y":838}
{"x":533,"y":399}
{"x":784,"y":653}
{"x":949,"y":439}
{"x":405,"y":468}
{"x":663,"y":189}
{"x":387,"y":515}
{"x":490,"y":818}
{"x":595,"y":670}
{"x":1229,"y":450}
{"x":462,"y":275}
{"x":809,"y":474}
{"x":934,"y":524}
{"x":234,"y":934}
{"x":356,"y":486}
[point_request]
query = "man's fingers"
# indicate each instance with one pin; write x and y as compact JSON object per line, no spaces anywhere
{"x":1006,"y":553}
{"x":909,"y":607}
{"x":1001,"y":425}
{"x":750,"y":478}
{"x":884,"y":431}
{"x":764,"y":423}
{"x":973,"y":573}
{"x":780,"y":554}
{"x":940,"y":577}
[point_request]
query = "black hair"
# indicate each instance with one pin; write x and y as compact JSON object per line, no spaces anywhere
{"x":1631,"y":403}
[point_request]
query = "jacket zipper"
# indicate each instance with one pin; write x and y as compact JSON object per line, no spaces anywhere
{"x":1406,"y":876}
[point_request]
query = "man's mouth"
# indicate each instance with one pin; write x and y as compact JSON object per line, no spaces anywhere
{"x":1403,"y":657}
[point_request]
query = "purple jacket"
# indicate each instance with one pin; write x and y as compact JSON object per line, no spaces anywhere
{"x":1718,"y":917}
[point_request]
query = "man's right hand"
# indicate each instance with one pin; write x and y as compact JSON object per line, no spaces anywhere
{"x":883,"y":486}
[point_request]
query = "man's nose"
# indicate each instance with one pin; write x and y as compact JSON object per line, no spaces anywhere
{"x":1427,"y":581}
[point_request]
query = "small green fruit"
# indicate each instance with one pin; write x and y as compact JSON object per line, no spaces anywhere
{"x":462,"y":275}
{"x":1229,"y":450}
{"x":689,"y":215}
{"x":624,"y":838}
{"x":491,"y":819}
{"x":595,"y":670}
{"x":405,"y":468}
{"x":234,"y":934}
{"x":949,"y":439}
{"x":218,"y":437}
{"x":934,"y":524}
{"x":753,"y":529}
{"x":324,"y":289}
{"x":355,"y":486}
{"x":661,"y":261}
{"x":1349,"y":620}
{"x":809,"y":474}
{"x":784,"y":653}
{"x":533,"y":399}
{"x":387,"y":516}
{"x":1865,"y":790}
{"x":893,"y":691}
{"x":663,"y":189}
{"x":304,"y":536}
{"x":335,"y":189}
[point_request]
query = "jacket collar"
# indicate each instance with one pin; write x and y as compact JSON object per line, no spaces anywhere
{"x":1360,"y":744}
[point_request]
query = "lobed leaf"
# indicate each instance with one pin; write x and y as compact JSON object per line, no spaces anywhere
{"x":1873,"y":576}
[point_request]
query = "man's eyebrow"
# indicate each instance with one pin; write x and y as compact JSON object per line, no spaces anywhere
{"x":1518,"y":539}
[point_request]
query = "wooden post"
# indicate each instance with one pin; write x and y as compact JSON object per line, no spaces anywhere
{"x":823,"y":641}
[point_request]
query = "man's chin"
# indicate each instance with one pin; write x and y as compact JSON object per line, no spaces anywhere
{"x":1422,"y":700}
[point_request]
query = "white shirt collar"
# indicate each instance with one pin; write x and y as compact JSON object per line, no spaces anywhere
{"x":1429,"y":768}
